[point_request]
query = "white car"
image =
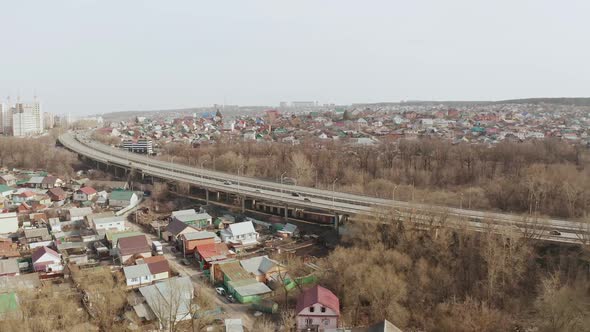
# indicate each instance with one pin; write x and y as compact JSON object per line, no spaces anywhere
{"x":220,"y":291}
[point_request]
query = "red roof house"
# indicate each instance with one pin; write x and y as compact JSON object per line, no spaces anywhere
{"x":317,"y":309}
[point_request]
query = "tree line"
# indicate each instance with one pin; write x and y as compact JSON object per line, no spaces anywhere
{"x":38,"y":153}
{"x":547,"y":177}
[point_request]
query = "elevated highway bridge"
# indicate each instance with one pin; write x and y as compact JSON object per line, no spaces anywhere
{"x":293,"y":197}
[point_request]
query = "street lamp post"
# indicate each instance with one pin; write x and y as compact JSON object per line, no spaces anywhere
{"x":334,"y":193}
{"x":202,"y":162}
{"x":239,"y":169}
{"x":393,"y":194}
{"x":282,"y":181}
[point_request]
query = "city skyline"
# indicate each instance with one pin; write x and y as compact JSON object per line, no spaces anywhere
{"x":85,"y":57}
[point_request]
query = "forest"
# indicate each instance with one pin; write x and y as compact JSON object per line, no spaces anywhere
{"x":547,"y":177}
{"x":39,"y":153}
{"x":448,"y":279}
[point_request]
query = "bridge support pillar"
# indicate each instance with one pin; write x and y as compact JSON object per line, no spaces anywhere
{"x":337,"y":223}
{"x":286,"y":212}
{"x":207,"y":195}
{"x":218,"y":194}
{"x":243,"y":199}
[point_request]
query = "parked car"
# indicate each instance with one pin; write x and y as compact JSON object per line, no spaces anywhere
{"x":220,"y":291}
{"x":231,"y":298}
{"x":185,"y":261}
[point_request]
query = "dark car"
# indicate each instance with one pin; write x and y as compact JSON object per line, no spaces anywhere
{"x":295,"y":194}
{"x":555,"y":232}
{"x":306,"y":199}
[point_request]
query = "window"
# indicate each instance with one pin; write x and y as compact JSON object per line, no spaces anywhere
{"x":323,"y":309}
{"x":308,"y":321}
{"x":311,"y":309}
{"x":326,"y":322}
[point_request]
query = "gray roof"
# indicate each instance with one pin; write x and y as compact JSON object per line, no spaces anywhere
{"x":176,"y":292}
{"x":37,"y":232}
{"x":199,"y":235}
{"x":136,"y":271}
{"x":8,"y":266}
{"x":108,"y":220}
{"x":255,"y":288}
{"x":242,"y":228}
{"x":289,"y":228}
{"x":36,"y":179}
{"x":258,"y":265}
{"x":80,"y":212}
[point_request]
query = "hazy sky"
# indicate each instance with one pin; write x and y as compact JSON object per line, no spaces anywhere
{"x":83,"y":56}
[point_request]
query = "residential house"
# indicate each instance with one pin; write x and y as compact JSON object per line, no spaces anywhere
{"x":8,"y":249}
{"x":175,"y":229}
{"x":8,"y":223}
{"x":6,"y":191}
{"x":159,"y":267}
{"x":54,"y":225}
{"x":240,"y":234}
{"x":8,"y":180}
{"x":263,"y":268}
{"x":133,"y":247}
{"x":9,"y":267}
{"x":191,"y":240}
{"x":57,"y":194}
{"x":239,"y":282}
{"x":211,"y":253}
{"x":115,"y":223}
{"x":84,"y":194}
{"x":383,"y":326}
{"x":37,"y":237}
{"x":191,"y":217}
{"x":79,"y":213}
{"x":317,"y":309}
{"x":167,"y":301}
{"x":46,"y":260}
{"x":49,"y":182}
{"x":35,"y":182}
{"x":137,"y":275}
{"x":76,"y":184}
{"x":122,"y":198}
{"x":114,"y":237}
{"x":146,"y":271}
{"x":23,"y":197}
{"x":288,"y":230}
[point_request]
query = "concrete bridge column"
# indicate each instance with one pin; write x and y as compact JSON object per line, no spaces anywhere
{"x":286,"y":212}
{"x":243,"y":199}
{"x":207,"y":195}
{"x":336,"y":223}
{"x":218,"y":194}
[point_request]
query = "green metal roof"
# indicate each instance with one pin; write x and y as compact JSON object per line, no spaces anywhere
{"x":4,"y":188}
{"x":121,"y":195}
{"x":115,"y":236}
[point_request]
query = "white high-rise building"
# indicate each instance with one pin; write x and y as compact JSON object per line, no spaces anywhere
{"x":24,"y":124}
{"x":27,"y":119}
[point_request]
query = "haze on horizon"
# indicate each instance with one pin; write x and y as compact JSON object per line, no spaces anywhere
{"x":86,"y":57}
